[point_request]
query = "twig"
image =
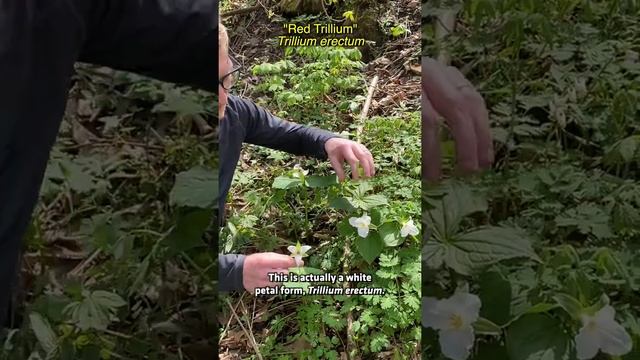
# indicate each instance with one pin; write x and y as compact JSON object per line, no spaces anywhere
{"x":444,"y":26}
{"x":367,"y":104}
{"x":80,"y":268}
{"x":252,"y":340}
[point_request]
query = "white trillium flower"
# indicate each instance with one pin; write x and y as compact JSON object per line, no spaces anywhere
{"x":362,"y":224}
{"x":299,"y":170}
{"x":298,"y":252}
{"x":453,"y":318}
{"x":602,"y":332}
{"x":408,"y":228}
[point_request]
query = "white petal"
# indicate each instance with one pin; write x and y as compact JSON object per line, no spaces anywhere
{"x":587,"y":343}
{"x":366,"y":219}
{"x":404,"y":231}
{"x":605,"y":315}
{"x":298,"y":260}
{"x":464,"y":304}
{"x":354,"y":221}
{"x":456,"y":344}
{"x":414,"y":231}
{"x":363,"y":231}
{"x":292,"y":249}
{"x":304,"y":249}
{"x":431,"y":317}
{"x":614,"y":339}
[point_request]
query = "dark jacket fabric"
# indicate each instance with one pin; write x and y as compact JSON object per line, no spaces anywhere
{"x":246,"y":122}
{"x":40,"y":40}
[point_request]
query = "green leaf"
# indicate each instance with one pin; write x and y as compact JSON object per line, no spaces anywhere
{"x":77,"y":178}
{"x":345,"y":229}
{"x":486,"y":327}
{"x":390,"y":234}
{"x":587,"y":218}
{"x":189,"y":230}
{"x":480,"y":248}
{"x":379,"y":341}
{"x":176,"y":101}
{"x":389,"y":260}
{"x":95,"y":311}
{"x":321,"y":181}
{"x":369,"y":247}
{"x":540,"y":308}
{"x":334,"y":320}
{"x":388,"y":302}
{"x":495,"y":294}
{"x":570,"y":304}
{"x":197,"y":187}
{"x":537,"y":337}
{"x":628,"y":148}
{"x":285,"y":182}
{"x":491,"y":350}
{"x":341,"y":203}
{"x":445,"y":213}
{"x":108,"y":299}
{"x":368,"y":202}
{"x":349,"y":16}
{"x":45,"y":335}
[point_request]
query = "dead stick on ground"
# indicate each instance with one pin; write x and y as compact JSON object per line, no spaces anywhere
{"x":78,"y":270}
{"x":367,"y":104}
{"x":226,"y":328}
{"x":252,"y":340}
{"x":444,"y":26}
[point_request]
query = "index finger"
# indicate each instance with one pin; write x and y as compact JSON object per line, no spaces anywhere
{"x":279,"y":261}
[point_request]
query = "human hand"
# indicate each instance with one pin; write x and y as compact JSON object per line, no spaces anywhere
{"x":446,"y":92}
{"x":340,"y":150}
{"x":257,"y":267}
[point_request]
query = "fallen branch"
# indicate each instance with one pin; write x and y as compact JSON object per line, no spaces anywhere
{"x":444,"y":26}
{"x":367,"y":104}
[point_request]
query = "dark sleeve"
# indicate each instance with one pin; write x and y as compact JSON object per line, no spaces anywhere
{"x":170,"y":40}
{"x":265,"y":129}
{"x":230,"y":272}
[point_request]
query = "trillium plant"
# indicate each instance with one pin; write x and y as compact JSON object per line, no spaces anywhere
{"x":600,"y":331}
{"x":298,"y":252}
{"x":453,"y":319}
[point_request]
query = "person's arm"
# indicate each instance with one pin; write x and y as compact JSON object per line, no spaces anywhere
{"x":265,"y":129}
{"x":230,"y":268}
{"x":170,"y":40}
